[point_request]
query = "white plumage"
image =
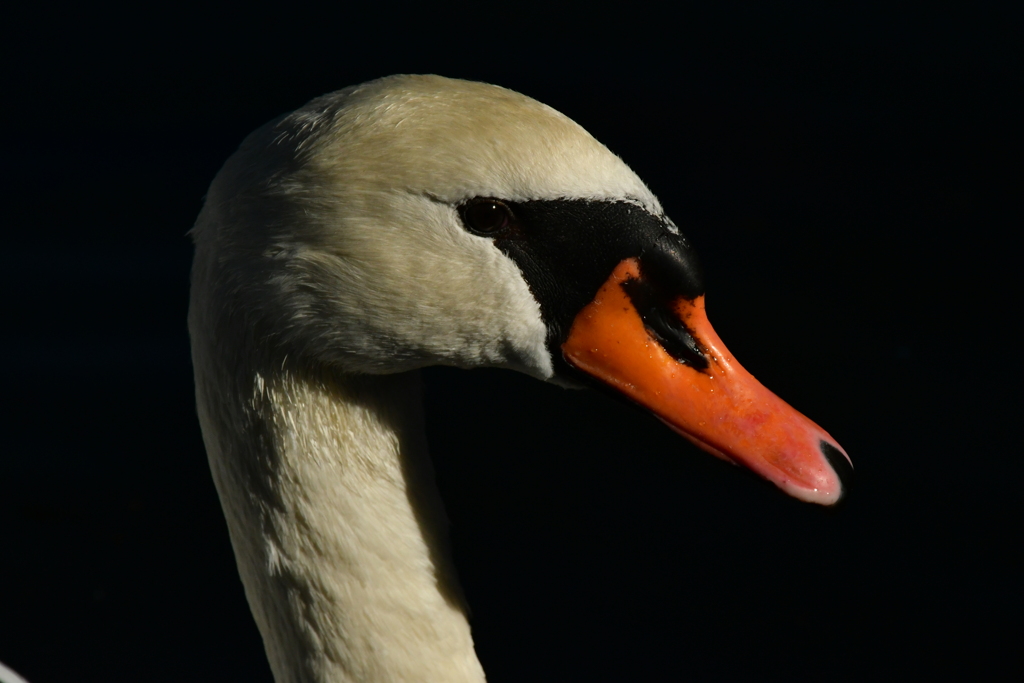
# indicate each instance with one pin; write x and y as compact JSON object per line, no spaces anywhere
{"x":330,"y":255}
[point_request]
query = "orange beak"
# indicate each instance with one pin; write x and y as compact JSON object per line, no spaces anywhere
{"x":720,"y":407}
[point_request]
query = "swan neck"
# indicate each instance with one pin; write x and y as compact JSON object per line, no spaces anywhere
{"x":337,"y":527}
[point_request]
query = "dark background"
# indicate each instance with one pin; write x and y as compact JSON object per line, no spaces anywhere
{"x":853,"y":182}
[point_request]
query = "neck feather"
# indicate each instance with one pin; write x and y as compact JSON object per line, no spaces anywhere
{"x":336,"y":524}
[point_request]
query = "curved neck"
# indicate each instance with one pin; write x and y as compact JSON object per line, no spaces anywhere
{"x":336,"y":524}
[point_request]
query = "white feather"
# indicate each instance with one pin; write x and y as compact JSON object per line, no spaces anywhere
{"x":329,"y":256}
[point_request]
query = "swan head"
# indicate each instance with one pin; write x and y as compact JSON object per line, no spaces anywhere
{"x":418,"y":220}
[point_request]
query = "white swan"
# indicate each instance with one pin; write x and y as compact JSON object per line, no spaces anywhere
{"x":418,"y":220}
{"x":8,"y":675}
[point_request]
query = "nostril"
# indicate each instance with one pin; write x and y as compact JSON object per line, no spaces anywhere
{"x":655,"y":310}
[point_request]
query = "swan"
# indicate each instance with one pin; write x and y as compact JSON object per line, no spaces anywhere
{"x":418,"y":220}
{"x":8,"y":675}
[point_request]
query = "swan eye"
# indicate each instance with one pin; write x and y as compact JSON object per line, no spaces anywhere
{"x":486,"y":216}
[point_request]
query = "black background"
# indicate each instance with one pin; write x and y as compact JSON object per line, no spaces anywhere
{"x":853,"y":182}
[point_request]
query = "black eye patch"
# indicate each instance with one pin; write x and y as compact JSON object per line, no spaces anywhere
{"x":567,"y":249}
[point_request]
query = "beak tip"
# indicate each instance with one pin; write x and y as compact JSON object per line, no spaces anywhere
{"x":840,"y":464}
